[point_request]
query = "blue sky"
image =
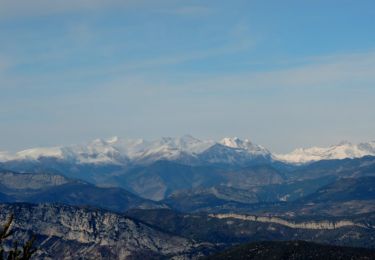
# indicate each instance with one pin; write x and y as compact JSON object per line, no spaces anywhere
{"x":284,"y":74}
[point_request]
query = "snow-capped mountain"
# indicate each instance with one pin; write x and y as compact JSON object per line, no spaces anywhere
{"x":97,"y":151}
{"x":165,"y":148}
{"x":340,"y":151}
{"x":187,"y":149}
{"x":235,"y":151}
{"x":246,"y":145}
{"x":4,"y":156}
{"x":120,"y":151}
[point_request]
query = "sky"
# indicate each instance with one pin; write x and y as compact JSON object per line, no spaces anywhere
{"x":284,"y":74}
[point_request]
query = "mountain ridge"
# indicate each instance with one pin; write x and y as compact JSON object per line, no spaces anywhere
{"x":232,"y":150}
{"x":126,"y":151}
{"x":342,"y":150}
{"x":66,"y":232}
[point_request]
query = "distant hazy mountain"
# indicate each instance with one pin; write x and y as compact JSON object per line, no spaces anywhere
{"x":152,"y":169}
{"x":158,"y":180}
{"x":187,"y":149}
{"x":343,"y":197}
{"x":357,"y":167}
{"x":230,"y":199}
{"x":345,"y":189}
{"x":123,"y":152}
{"x":340,"y":151}
{"x":53,"y":188}
{"x":139,"y":167}
{"x":346,"y":196}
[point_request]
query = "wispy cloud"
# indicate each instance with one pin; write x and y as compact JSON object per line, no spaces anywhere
{"x":25,"y":8}
{"x":286,"y":96}
{"x":187,"y":10}
{"x":190,"y":56}
{"x":80,"y":34}
{"x":333,"y":74}
{"x":351,"y":71}
{"x":4,"y":64}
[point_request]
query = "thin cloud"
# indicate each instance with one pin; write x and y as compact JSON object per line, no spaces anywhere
{"x":355,"y":70}
{"x":5,"y":64}
{"x":192,"y":56}
{"x":26,"y":8}
{"x":187,"y":10}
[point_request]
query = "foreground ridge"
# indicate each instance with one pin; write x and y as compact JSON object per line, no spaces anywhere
{"x":63,"y":232}
{"x":296,"y":250}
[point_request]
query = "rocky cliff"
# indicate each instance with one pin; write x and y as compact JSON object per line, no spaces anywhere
{"x":317,"y":225}
{"x":66,"y":232}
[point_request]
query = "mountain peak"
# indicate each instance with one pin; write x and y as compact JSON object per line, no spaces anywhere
{"x":344,"y":143}
{"x":233,"y":142}
{"x":98,"y":141}
{"x":246,"y":144}
{"x":344,"y":149}
{"x":113,"y":139}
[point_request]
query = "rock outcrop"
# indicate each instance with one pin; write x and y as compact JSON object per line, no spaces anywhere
{"x":66,"y":232}
{"x":316,"y":225}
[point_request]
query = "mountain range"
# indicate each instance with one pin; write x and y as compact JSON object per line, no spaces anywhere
{"x":157,"y":169}
{"x":187,"y":149}
{"x":342,"y":150}
{"x":186,"y":198}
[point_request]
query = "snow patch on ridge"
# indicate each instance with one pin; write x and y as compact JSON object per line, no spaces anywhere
{"x":246,"y":144}
{"x":342,"y":150}
{"x":115,"y":150}
{"x":120,"y":151}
